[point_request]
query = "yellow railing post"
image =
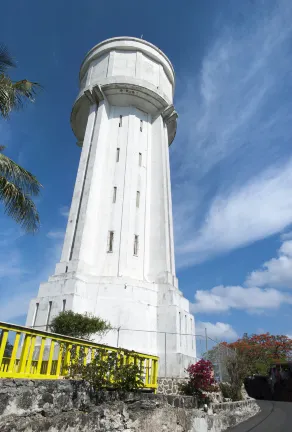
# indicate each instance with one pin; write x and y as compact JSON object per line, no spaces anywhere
{"x":85,"y":356}
{"x":11,"y":367}
{"x":40,"y":357}
{"x":147,"y":372}
{"x":59,"y":361}
{"x":4,"y":338}
{"x":29,"y":359}
{"x":67,"y":359}
{"x":23,"y":356}
{"x":51,"y":355}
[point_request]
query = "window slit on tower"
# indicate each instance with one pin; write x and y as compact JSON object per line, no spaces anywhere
{"x":35,"y":314}
{"x":141,"y":125}
{"x":138,"y":199}
{"x":191,"y":332}
{"x":118,"y":155}
{"x":110,"y":241}
{"x":121,"y":121}
{"x":48,"y":316}
{"x":115,"y":194}
{"x":140,"y":159}
{"x":136,"y":244}
{"x":179,"y":318}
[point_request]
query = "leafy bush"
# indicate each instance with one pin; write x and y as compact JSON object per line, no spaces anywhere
{"x":226,"y":390}
{"x":77,"y":325}
{"x":201,"y":380}
{"x":238,"y":369}
{"x":109,"y":370}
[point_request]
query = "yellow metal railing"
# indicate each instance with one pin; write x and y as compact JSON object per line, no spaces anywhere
{"x":42,"y":355}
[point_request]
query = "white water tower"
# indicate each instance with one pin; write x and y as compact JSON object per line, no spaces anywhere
{"x":118,"y":254}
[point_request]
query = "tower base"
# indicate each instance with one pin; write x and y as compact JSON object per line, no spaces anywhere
{"x":146,"y":317}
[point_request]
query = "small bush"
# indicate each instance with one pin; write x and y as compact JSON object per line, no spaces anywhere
{"x":226,"y":390}
{"x":201,"y":380}
{"x":109,"y":370}
{"x":77,"y":325}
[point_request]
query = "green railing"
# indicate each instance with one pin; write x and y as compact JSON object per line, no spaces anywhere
{"x":42,"y":355}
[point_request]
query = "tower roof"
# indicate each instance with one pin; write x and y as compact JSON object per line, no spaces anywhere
{"x":128,"y":43}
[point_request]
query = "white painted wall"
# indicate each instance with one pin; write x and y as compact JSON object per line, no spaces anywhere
{"x":133,"y":292}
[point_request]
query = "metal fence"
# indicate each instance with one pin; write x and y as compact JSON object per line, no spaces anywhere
{"x":194,"y":346}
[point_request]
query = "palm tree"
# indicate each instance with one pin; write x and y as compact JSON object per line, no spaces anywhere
{"x":17,"y":185}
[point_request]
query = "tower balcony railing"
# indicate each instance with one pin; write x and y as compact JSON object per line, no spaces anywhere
{"x":27,"y":353}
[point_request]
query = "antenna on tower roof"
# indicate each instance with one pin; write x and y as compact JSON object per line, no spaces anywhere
{"x":141,"y":36}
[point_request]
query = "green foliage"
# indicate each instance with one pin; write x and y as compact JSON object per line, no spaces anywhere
{"x":77,"y":325}
{"x":226,"y":390}
{"x":17,"y":186}
{"x":109,"y":370}
{"x":261,"y":350}
{"x":238,"y":369}
{"x":13,"y":93}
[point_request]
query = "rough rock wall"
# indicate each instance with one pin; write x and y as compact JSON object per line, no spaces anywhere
{"x":170,"y":386}
{"x":69,"y":406}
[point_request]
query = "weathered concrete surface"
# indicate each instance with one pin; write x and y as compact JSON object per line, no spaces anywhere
{"x":69,"y":406}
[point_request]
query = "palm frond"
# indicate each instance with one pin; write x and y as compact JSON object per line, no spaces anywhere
{"x":14,"y":94}
{"x":6,"y":61}
{"x":19,"y":206}
{"x":27,"y":89}
{"x":21,"y":178}
{"x":8,"y":96}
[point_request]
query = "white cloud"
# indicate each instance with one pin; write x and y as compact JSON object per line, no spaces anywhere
{"x":64,"y":211}
{"x":231,"y":182}
{"x":55,"y":234}
{"x":219,"y":330}
{"x":276,"y":272}
{"x":222,"y":299}
{"x":258,"y":292}
{"x":258,"y":209}
{"x":286,"y":236}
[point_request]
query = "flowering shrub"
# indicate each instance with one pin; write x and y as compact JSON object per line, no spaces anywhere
{"x":201,"y":380}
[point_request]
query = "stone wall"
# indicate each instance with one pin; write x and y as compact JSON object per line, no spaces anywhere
{"x":70,"y":406}
{"x":170,"y":386}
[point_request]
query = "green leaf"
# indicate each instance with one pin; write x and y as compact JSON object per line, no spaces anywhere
{"x":6,"y":61}
{"x":18,"y":205}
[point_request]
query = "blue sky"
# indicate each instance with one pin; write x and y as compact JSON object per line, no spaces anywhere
{"x":231,"y":161}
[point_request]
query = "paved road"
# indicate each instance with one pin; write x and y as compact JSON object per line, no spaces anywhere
{"x":274,"y":417}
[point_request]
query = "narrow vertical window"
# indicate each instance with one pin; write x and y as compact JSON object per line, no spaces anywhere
{"x":121,"y":121}
{"x":141,"y":125}
{"x":191,"y":331}
{"x":110,"y":241}
{"x":138,"y":199}
{"x":140,"y":159}
{"x":115,"y":194}
{"x":179,"y":317}
{"x":118,"y":155}
{"x":64,"y":305}
{"x":49,"y":315}
{"x":35,"y":314}
{"x":136,"y":245}
{"x":66,"y":269}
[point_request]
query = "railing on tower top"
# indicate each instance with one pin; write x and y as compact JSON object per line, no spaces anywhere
{"x":35,"y":354}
